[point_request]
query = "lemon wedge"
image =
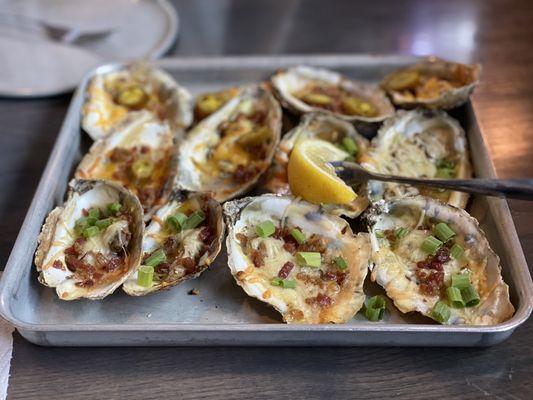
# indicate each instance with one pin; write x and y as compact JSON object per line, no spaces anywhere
{"x":313,"y":178}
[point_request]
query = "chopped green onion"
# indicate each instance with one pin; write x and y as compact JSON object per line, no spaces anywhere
{"x":298,"y":236}
{"x":455,"y":298}
{"x":445,"y":173}
{"x":470,"y":296}
{"x":308,"y":259}
{"x":195,"y":219}
{"x":443,"y":232}
{"x":276,"y":281}
{"x":431,"y":244}
{"x":457,"y":251}
{"x":265,"y":229}
{"x":375,"y":308}
{"x":94,"y":213}
{"x":349,"y":145}
{"x":91,"y":231}
{"x":440,"y":312}
{"x":400,"y":233}
{"x":288,"y":284}
{"x":145,"y":275}
{"x":445,"y":163}
{"x":460,"y":281}
{"x":341,"y":263}
{"x":379,"y":234}
{"x":176,"y":222}
{"x":156,"y":258}
{"x":103,"y":224}
{"x":114,"y":208}
{"x":80,"y":225}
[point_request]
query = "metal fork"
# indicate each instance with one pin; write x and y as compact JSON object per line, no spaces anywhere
{"x":55,"y":32}
{"x":352,"y":173}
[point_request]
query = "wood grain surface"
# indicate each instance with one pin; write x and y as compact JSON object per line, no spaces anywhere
{"x":499,"y":34}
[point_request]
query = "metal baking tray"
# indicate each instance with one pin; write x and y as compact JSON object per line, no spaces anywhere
{"x":222,"y":314}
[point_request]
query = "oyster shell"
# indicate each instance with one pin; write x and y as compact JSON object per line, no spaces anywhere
{"x":188,"y":252}
{"x":93,"y":266}
{"x":400,"y":265}
{"x":112,"y":96}
{"x":139,"y":154}
{"x":432,"y":83}
{"x":227,"y":152}
{"x":324,"y":294}
{"x":318,"y":126}
{"x":304,"y":89}
{"x":419,"y":144}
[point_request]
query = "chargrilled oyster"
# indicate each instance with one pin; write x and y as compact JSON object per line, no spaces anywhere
{"x":304,"y":89}
{"x":432,"y":83}
{"x":182,"y":240}
{"x":90,"y":245}
{"x":434,"y":259}
{"x":112,"y":96}
{"x":331,"y":129}
{"x":206,"y":104}
{"x":419,"y":144}
{"x":292,"y":255}
{"x":140,"y":155}
{"x":227,"y":152}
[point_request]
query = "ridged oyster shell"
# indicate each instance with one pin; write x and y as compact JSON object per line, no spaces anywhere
{"x":140,"y":154}
{"x":413,"y":143}
{"x":319,"y":296}
{"x":462,"y":79}
{"x":164,"y":98}
{"x":394,"y":266}
{"x":288,"y":82}
{"x":58,"y":234}
{"x":229,"y":164}
{"x":318,"y":126}
{"x":200,"y":245}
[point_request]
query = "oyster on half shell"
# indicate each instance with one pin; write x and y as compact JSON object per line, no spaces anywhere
{"x":304,"y":89}
{"x":227,"y":152}
{"x":318,"y":126}
{"x":432,"y":83}
{"x":112,"y":96}
{"x":90,"y":245}
{"x":270,"y":268}
{"x":419,"y":144}
{"x":188,"y":249}
{"x":415,"y":279}
{"x":140,"y":155}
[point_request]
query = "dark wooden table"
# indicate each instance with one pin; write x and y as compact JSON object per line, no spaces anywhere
{"x":497,"y":33}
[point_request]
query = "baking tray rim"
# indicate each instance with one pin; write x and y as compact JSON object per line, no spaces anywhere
{"x":523,"y":286}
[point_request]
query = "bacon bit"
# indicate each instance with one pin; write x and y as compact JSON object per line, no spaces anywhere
{"x":187,"y":263}
{"x":169,"y":244}
{"x":145,"y":149}
{"x":341,"y":277}
{"x":241,"y":275}
{"x":266,"y":294}
{"x":84,"y":212}
{"x":85,"y":283}
{"x":329,"y":276}
{"x":163,"y":269}
{"x":290,"y":247}
{"x":73,"y":263}
{"x":285,"y":270}
{"x":317,"y":281}
{"x":321,"y":299}
{"x":257,"y":258}
{"x":120,"y":155}
{"x":315,"y":243}
{"x":244,"y":173}
{"x":112,"y":263}
{"x":243,"y":239}
{"x":343,"y":231}
{"x":430,"y":273}
{"x":148,"y":196}
{"x":58,"y":264}
{"x":206,"y":234}
{"x":258,"y":117}
{"x":295,"y":315}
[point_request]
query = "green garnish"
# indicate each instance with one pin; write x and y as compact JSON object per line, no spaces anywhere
{"x":445,"y":168}
{"x":91,"y":231}
{"x":470,"y":296}
{"x":265,"y":229}
{"x":457,"y":251}
{"x":375,"y":308}
{"x":276,"y":281}
{"x":94,"y":213}
{"x":460,"y":281}
{"x":193,"y":220}
{"x":440,"y":312}
{"x":431,"y":244}
{"x":455,"y":298}
{"x":80,"y":225}
{"x":298,"y":236}
{"x":444,"y":163}
{"x":145,"y":275}
{"x":379,"y":234}
{"x":103,"y":224}
{"x":114,"y":208}
{"x":350,"y":145}
{"x":284,"y":283}
{"x":341,"y":263}
{"x":308,"y":259}
{"x":156,"y":258}
{"x":401,"y":232}
{"x":443,"y":232}
{"x":176,"y":222}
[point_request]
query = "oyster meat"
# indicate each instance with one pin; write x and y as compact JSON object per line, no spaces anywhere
{"x":416,"y":259}
{"x":432,"y":83}
{"x":227,"y":152}
{"x":112,"y":96}
{"x":140,"y":155}
{"x":292,"y":255}
{"x":419,"y":144}
{"x":329,"y":128}
{"x":187,"y":232}
{"x":90,"y":245}
{"x":303,"y":89}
